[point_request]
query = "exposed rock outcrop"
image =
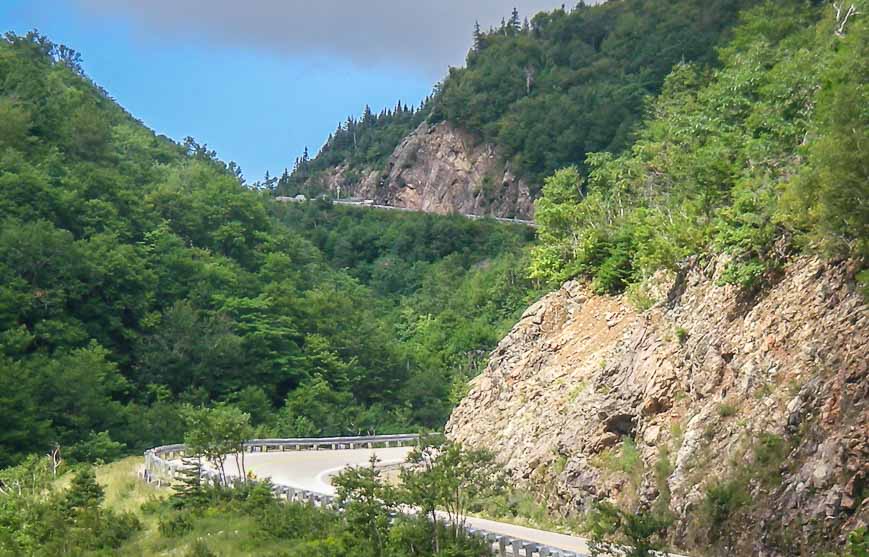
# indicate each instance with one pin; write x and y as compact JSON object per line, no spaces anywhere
{"x":717,"y":385}
{"x":439,"y":169}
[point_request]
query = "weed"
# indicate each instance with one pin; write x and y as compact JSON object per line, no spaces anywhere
{"x":769,"y":455}
{"x":763,"y":391}
{"x":175,"y":525}
{"x":200,"y":549}
{"x":721,"y":501}
{"x":576,"y":391}
{"x":682,"y":334}
{"x":726,"y":410}
{"x":639,"y":297}
{"x":559,"y":464}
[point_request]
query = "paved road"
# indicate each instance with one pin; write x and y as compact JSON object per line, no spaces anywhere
{"x":311,"y":470}
{"x":365,"y":205}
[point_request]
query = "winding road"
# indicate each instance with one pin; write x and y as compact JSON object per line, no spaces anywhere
{"x":311,"y":470}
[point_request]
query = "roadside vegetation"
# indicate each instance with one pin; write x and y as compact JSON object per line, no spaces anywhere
{"x":146,"y":293}
{"x":109,"y":511}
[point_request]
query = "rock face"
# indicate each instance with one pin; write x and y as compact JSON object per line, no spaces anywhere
{"x":709,"y":385}
{"x":439,"y":169}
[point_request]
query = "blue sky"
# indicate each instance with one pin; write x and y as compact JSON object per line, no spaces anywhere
{"x":258,"y":80}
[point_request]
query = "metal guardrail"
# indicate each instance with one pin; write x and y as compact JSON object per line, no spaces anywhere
{"x":162,"y":466}
{"x":366,"y":205}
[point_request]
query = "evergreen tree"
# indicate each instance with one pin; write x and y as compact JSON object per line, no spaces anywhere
{"x":478,"y":37}
{"x":84,"y":492}
{"x":515,"y":23}
{"x":188,"y":489}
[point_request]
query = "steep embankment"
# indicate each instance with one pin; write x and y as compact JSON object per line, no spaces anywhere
{"x":439,"y":169}
{"x":751,"y":410}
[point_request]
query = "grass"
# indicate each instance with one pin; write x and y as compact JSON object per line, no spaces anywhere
{"x":522,"y":509}
{"x":638,"y":295}
{"x":726,"y":410}
{"x":224,"y":534}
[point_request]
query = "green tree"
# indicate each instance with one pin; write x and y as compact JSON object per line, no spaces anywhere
{"x":84,"y":492}
{"x":217,"y":434}
{"x":368,"y":502}
{"x":447,"y":476}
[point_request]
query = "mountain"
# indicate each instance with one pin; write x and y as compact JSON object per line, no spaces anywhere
{"x":139,"y":277}
{"x":700,"y":377}
{"x":532,"y":99}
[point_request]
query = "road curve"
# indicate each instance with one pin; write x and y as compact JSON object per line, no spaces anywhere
{"x":311,"y":470}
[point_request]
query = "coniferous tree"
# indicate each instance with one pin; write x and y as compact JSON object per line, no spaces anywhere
{"x":515,"y":23}
{"x":84,"y":492}
{"x":188,"y":490}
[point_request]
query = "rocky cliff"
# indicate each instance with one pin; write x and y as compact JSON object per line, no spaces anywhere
{"x":439,"y":169}
{"x":748,"y":412}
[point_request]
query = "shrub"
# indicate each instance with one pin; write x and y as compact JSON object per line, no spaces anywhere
{"x":642,"y":533}
{"x":175,"y":525}
{"x":200,"y":549}
{"x":722,"y":500}
{"x":770,"y":453}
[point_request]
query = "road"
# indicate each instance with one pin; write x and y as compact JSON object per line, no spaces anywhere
{"x":311,"y":470}
{"x":370,"y":205}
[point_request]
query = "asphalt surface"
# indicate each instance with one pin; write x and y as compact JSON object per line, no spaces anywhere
{"x":311,"y":470}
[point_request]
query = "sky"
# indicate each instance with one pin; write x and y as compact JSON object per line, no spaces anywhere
{"x":260,"y":80}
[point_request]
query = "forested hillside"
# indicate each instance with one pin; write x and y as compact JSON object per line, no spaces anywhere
{"x":548,"y":90}
{"x":138,"y":276}
{"x":759,"y":158}
{"x":706,"y":355}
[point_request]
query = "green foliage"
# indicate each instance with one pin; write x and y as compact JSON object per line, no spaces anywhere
{"x":639,"y":534}
{"x":84,"y":491}
{"x":98,"y":447}
{"x":725,"y":498}
{"x":249,"y":519}
{"x":721,"y":501}
{"x":217,"y":434}
{"x":367,"y":502}
{"x":200,"y":549}
{"x":139,"y":276}
{"x":769,"y":454}
{"x":359,"y":144}
{"x":446,"y":476}
{"x":574,"y":82}
{"x":36,"y":520}
{"x":731,"y":160}
{"x":858,"y":543}
{"x":175,"y":525}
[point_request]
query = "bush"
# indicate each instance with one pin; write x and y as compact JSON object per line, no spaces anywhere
{"x":615,"y":532}
{"x":98,"y":447}
{"x":200,"y":549}
{"x":175,"y":525}
{"x":722,"y":500}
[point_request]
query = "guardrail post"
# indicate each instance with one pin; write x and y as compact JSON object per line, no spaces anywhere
{"x":502,"y":547}
{"x":544,"y":552}
{"x":517,"y":548}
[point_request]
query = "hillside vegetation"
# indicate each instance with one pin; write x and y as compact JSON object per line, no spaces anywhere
{"x":138,"y":276}
{"x":765,"y":155}
{"x":549,"y":90}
